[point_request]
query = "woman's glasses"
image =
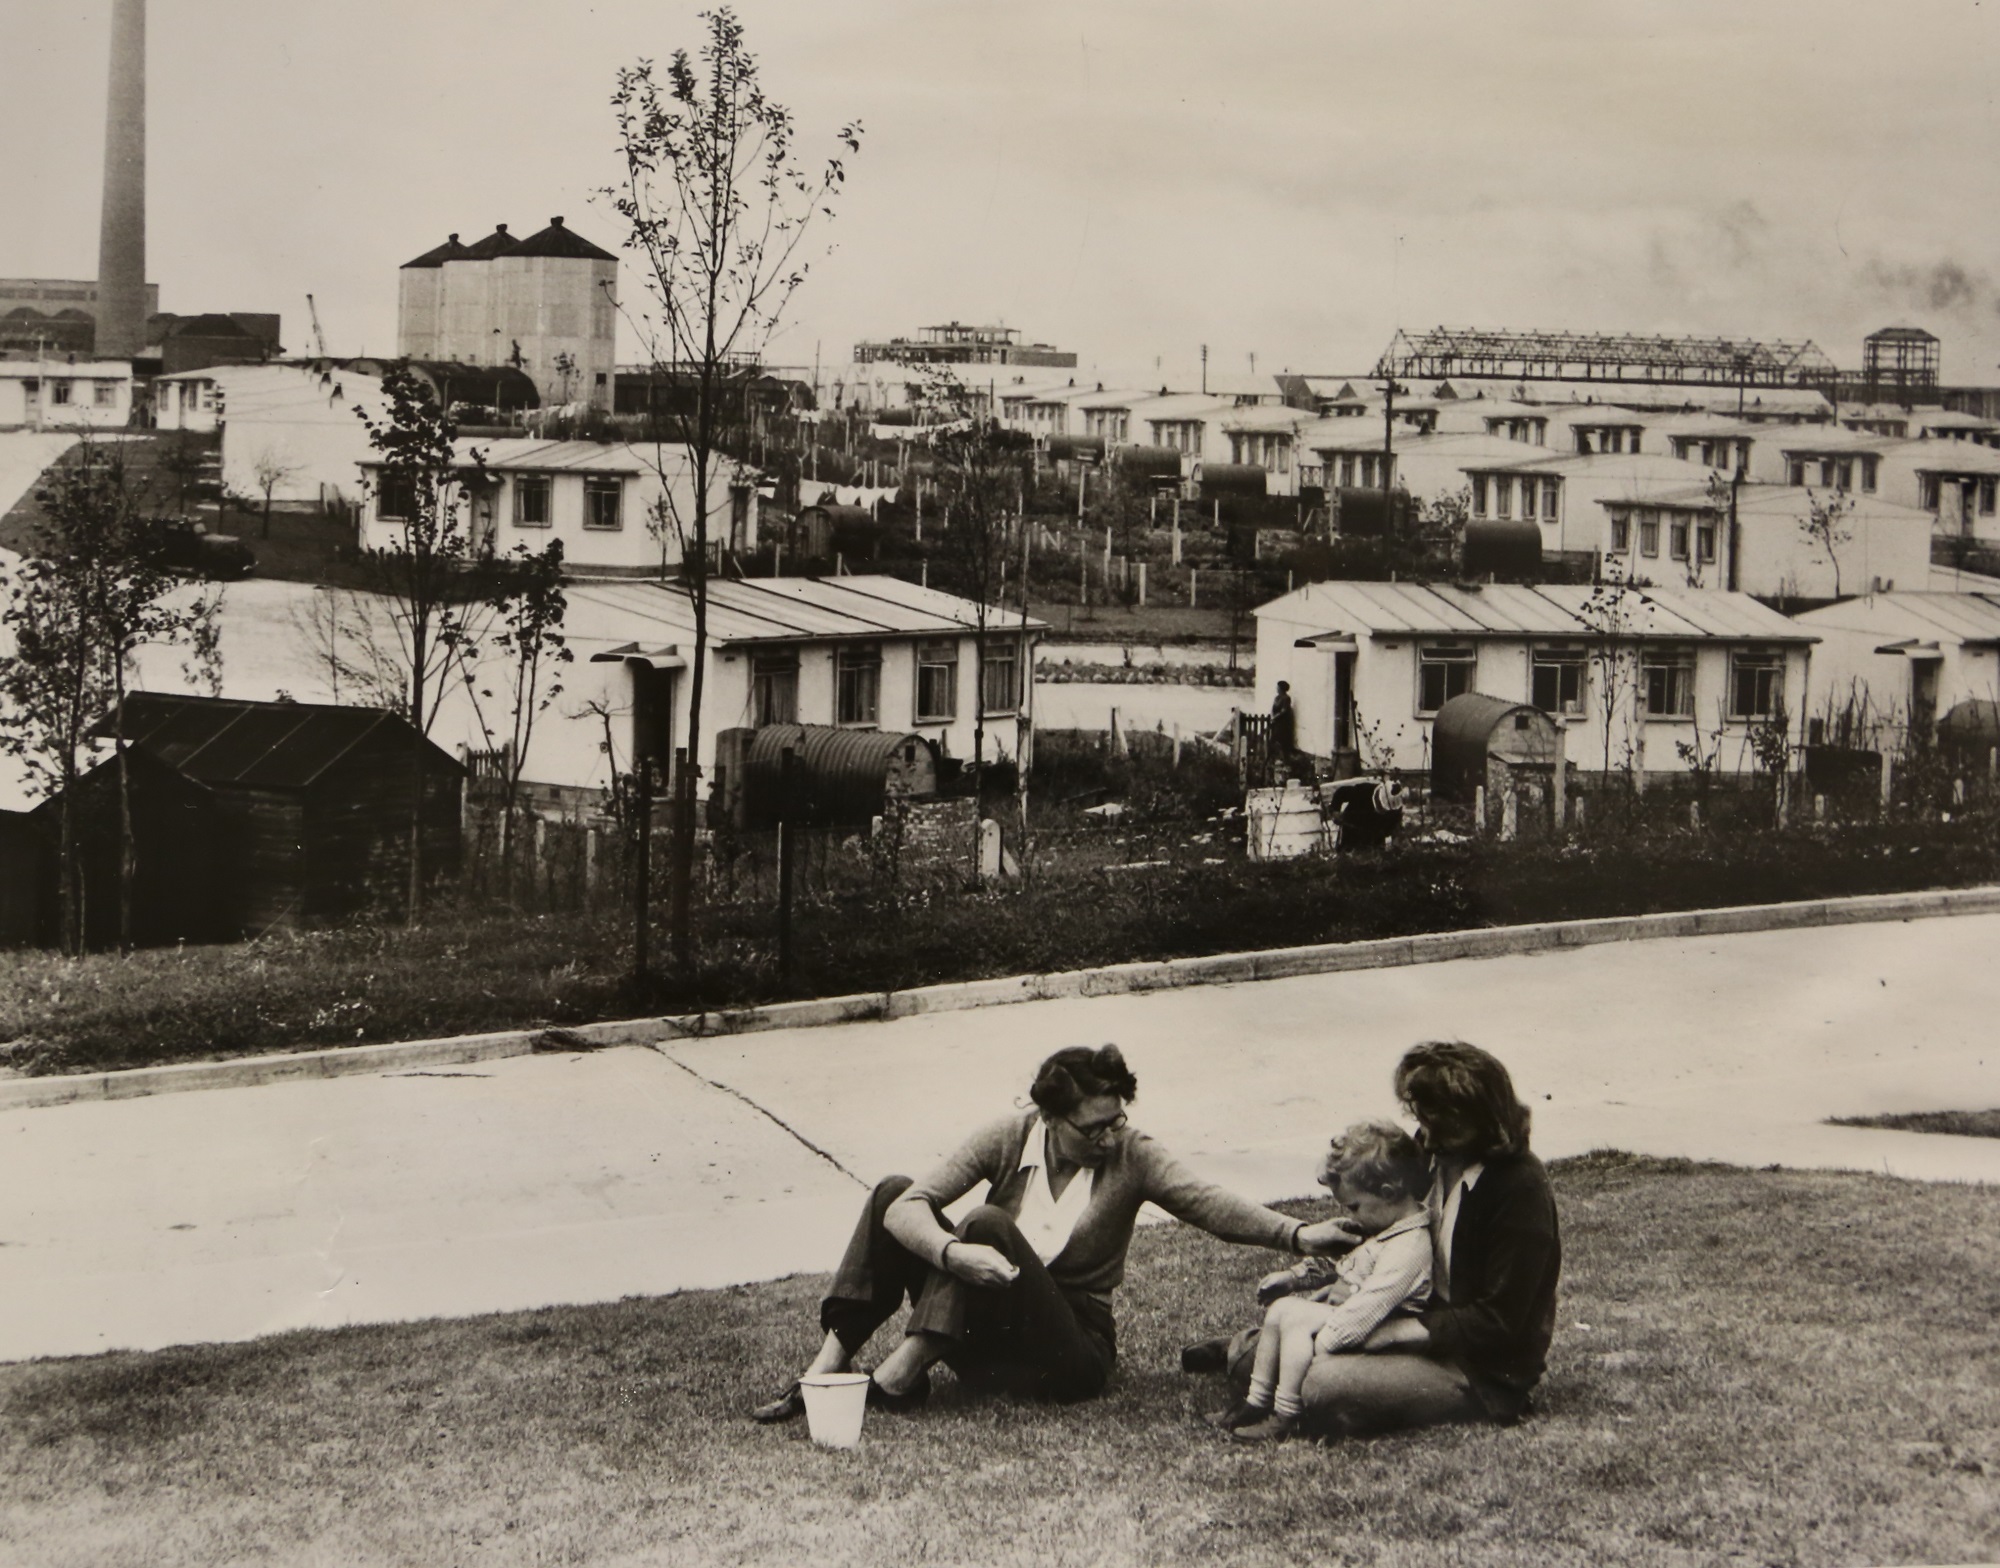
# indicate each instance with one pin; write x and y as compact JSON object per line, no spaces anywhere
{"x":1098,"y":1132}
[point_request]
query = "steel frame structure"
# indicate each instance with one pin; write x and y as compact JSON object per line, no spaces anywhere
{"x":1460,"y":353}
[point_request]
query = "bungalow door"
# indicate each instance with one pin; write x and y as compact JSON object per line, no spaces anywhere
{"x":485,"y":523}
{"x":1924,"y":700}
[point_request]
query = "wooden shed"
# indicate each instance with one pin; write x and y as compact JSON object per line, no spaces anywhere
{"x":21,"y":878}
{"x":1506,"y":756}
{"x":312,"y":803}
{"x":175,"y":825}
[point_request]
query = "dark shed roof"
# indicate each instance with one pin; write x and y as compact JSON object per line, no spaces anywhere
{"x":263,"y":745}
{"x":450,"y":250}
{"x":556,"y":240}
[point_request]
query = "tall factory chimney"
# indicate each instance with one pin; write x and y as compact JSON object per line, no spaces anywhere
{"x":121,"y":241}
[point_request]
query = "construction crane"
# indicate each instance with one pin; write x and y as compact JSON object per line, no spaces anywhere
{"x":319,"y":337}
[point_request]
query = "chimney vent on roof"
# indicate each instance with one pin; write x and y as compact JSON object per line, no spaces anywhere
{"x":453,"y":238}
{"x":555,"y":223}
{"x":500,"y":228}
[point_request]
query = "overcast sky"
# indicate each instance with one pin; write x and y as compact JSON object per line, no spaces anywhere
{"x":1129,"y":180}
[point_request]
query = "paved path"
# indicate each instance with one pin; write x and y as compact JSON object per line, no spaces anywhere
{"x":231,"y":1213}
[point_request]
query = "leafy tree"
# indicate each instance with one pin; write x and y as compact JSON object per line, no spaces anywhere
{"x":1825,"y":528}
{"x":269,"y":471}
{"x":92,"y":591}
{"x":437,"y":610}
{"x":529,"y":604}
{"x":716,"y":207}
{"x":1618,"y":612}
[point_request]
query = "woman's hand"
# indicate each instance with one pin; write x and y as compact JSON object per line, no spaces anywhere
{"x":1328,"y":1239}
{"x":986,"y":1267}
{"x":1398,"y":1334}
{"x":1272,"y":1286}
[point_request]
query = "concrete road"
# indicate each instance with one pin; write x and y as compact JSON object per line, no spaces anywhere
{"x":231,"y":1213}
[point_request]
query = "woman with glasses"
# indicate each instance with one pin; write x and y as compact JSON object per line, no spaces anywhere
{"x":1018,"y":1293}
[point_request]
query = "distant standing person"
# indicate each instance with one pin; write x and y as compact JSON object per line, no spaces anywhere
{"x":1284,"y":730}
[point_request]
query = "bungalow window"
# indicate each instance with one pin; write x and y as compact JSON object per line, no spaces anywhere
{"x":1868,"y":475}
{"x":531,"y":501}
{"x":1666,"y":683}
{"x":1649,"y":533}
{"x":858,"y":684}
{"x":1677,"y":536}
{"x":1479,"y":495}
{"x":1986,"y":496}
{"x":601,"y":499}
{"x":1756,"y":685}
{"x":1551,"y":500}
{"x":1503,"y":496}
{"x":937,"y":681}
{"x":1704,"y":540}
{"x":395,"y":497}
{"x":1442,"y":674}
{"x":1621,"y":532}
{"x":1843,"y":474}
{"x":1528,"y":490}
{"x":105,"y":393}
{"x":774,"y":689}
{"x":1556,"y":680}
{"x":61,"y":391}
{"x":1927,"y":491}
{"x":1347,"y":473}
{"x":999,"y":677}
{"x":1795,"y":471}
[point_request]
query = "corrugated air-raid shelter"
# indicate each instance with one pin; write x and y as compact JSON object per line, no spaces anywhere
{"x":268,"y":815}
{"x":1504,"y":759}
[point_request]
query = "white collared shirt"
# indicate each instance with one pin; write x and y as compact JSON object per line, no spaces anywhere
{"x":1443,"y":1209}
{"x":1046,"y":1220}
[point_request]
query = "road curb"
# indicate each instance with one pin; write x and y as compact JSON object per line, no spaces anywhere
{"x":1109,"y":980}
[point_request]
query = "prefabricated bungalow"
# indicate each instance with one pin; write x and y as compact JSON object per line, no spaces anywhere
{"x":1684,"y":538}
{"x":616,"y":508}
{"x":1890,"y":666}
{"x":1630,"y":674}
{"x":862,"y":652}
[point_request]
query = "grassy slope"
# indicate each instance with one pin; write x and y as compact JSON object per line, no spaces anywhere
{"x":1777,"y":1367}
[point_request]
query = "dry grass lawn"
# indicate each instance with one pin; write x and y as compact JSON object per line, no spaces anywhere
{"x":1752,"y":1367}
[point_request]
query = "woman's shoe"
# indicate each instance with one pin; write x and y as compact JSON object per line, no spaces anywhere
{"x":1241,"y":1413}
{"x":1210,"y":1355}
{"x":787,"y":1406}
{"x":915,"y":1397}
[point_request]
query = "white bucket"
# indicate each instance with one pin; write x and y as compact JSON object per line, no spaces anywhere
{"x":835,"y":1404}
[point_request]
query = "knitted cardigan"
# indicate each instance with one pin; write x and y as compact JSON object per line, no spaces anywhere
{"x":1506,"y":1255}
{"x":1137,"y":1171}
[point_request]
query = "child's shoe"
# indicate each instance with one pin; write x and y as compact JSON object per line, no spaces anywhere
{"x":1241,"y":1413}
{"x":1273,"y":1428}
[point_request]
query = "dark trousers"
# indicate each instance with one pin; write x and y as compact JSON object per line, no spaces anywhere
{"x":1031,"y":1337}
{"x":1363,"y":1395}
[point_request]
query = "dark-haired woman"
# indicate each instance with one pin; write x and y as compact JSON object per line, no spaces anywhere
{"x":1018,"y":1293}
{"x":1480,"y":1348}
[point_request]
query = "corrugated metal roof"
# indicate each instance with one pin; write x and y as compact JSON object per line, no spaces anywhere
{"x":1511,"y":610}
{"x":1959,"y":617}
{"x":777,"y":609}
{"x":1947,"y":456}
{"x":266,"y":745}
